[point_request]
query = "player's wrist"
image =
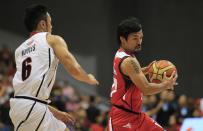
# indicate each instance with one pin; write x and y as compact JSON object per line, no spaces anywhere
{"x":165,"y":84}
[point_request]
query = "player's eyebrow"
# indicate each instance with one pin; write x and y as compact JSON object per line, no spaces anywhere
{"x":136,"y":35}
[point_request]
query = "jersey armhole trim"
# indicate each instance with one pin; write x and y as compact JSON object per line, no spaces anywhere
{"x":119,"y":67}
{"x":46,"y":34}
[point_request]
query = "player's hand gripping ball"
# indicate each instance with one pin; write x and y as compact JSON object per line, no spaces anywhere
{"x":157,"y":69}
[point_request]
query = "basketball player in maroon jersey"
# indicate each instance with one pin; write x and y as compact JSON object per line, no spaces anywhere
{"x":130,"y":83}
{"x":37,"y":60}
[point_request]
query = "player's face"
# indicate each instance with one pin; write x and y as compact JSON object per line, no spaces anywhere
{"x":48,"y":24}
{"x":134,"y":41}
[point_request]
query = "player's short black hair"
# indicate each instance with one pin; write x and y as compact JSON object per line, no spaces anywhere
{"x":128,"y":26}
{"x":34,"y":14}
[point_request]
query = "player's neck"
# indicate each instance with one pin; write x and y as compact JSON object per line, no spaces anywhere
{"x":127,"y":51}
{"x":39,"y":30}
{"x":35,"y":32}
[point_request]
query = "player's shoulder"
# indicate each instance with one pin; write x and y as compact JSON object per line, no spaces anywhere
{"x":129,"y":61}
{"x":121,"y":54}
{"x":53,"y":39}
{"x":17,"y":50}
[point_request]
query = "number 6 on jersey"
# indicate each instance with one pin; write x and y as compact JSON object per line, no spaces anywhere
{"x":26,"y":68}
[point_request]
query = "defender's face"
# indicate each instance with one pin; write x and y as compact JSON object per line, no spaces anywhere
{"x":134,"y":41}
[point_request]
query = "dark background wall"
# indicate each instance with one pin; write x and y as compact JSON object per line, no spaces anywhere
{"x":172,"y":30}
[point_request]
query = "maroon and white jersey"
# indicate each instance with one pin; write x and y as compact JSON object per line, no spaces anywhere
{"x":124,"y":92}
{"x":36,"y":66}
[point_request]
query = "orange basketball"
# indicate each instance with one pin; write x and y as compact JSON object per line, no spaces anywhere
{"x":157,"y":69}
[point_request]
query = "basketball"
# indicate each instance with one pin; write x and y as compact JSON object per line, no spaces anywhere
{"x":157,"y":69}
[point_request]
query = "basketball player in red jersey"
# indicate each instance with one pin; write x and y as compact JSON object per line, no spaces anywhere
{"x":130,"y":83}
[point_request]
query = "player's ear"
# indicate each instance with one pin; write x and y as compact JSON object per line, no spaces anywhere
{"x":122,"y":39}
{"x":42,"y":24}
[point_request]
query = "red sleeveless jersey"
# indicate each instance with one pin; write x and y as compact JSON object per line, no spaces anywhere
{"x":124,"y":92}
{"x":126,"y":100}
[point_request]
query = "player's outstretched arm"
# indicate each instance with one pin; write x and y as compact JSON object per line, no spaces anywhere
{"x":68,"y":60}
{"x":131,"y":67}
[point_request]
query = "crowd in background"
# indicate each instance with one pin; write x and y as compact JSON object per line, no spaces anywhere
{"x":91,"y":111}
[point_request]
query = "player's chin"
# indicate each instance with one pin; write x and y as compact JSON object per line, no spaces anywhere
{"x":138,"y":49}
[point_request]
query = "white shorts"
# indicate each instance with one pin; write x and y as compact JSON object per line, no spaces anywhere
{"x":28,"y":115}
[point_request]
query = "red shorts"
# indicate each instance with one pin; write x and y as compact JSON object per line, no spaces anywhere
{"x":123,"y":121}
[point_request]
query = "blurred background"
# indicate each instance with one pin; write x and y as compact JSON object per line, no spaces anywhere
{"x":172,"y":31}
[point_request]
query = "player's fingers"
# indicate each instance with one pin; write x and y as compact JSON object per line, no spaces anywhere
{"x":94,"y":82}
{"x":97,"y":82}
{"x":165,"y":75}
{"x":70,"y":120}
{"x":173,"y":75}
{"x":176,"y":76}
